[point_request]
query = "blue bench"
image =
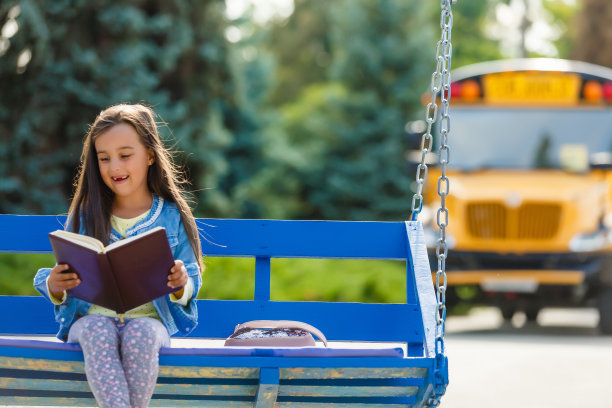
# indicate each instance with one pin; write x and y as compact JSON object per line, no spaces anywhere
{"x":401,"y":369}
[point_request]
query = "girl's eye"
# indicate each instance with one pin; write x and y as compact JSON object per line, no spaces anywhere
{"x":125,"y":156}
{"x":103,"y":159}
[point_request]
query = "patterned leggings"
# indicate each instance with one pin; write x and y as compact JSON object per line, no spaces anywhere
{"x":121,"y":359}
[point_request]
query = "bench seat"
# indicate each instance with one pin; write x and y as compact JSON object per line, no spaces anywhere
{"x":380,"y":355}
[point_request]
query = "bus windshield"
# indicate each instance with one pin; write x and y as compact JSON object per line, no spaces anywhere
{"x":528,"y":138}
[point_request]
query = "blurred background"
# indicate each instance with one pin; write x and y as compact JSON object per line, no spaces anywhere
{"x":290,"y":109}
{"x":276,"y":109}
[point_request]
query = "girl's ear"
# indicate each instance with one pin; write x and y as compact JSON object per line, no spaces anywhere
{"x":151,"y":155}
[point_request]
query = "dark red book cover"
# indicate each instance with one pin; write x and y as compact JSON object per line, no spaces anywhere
{"x":125,"y":275}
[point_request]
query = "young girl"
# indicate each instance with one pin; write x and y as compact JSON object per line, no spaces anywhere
{"x":127,"y":185}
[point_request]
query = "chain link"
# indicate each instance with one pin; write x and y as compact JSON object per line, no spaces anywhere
{"x":440,"y":85}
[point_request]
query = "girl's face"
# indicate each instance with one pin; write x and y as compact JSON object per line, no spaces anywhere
{"x":124,"y":162}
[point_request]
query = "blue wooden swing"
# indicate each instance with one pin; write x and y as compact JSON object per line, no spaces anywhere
{"x":380,"y":355}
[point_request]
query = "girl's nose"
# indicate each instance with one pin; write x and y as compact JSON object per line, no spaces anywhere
{"x":115,"y":164}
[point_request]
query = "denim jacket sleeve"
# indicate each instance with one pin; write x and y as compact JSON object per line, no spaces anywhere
{"x":67,"y":312}
{"x":186,"y":317}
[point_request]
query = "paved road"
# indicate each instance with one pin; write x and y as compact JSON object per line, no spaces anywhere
{"x":561,"y":362}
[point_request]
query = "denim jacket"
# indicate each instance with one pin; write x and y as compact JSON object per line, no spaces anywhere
{"x":176,"y":318}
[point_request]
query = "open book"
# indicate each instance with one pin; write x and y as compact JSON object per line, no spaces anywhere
{"x":121,"y":276}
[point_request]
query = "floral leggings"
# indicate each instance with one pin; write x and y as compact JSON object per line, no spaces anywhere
{"x":121,"y":359}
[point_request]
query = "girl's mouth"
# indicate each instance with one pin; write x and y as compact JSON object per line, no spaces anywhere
{"x":119,"y":179}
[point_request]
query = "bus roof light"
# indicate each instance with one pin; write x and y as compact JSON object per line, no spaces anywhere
{"x":607,"y":91}
{"x":470,"y":90}
{"x":455,"y":89}
{"x":592,"y":91}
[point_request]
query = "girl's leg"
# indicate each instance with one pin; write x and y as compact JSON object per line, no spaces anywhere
{"x":99,"y":339}
{"x":141,"y":340}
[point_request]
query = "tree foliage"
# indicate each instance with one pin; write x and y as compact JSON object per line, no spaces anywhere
{"x":86,"y":55}
{"x":338,"y":150}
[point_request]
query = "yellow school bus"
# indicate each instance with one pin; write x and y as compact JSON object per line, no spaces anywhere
{"x":530,"y":203}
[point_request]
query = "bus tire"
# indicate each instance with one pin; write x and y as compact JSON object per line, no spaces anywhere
{"x":507,"y":312}
{"x":605,"y":311}
{"x":531,"y":313}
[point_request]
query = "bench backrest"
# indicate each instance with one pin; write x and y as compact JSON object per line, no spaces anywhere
{"x":263,"y":240}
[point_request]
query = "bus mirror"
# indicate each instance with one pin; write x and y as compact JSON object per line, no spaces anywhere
{"x":413,"y":131}
{"x":574,"y":158}
{"x":601,"y":160}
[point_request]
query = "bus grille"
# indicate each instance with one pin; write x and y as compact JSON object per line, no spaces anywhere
{"x":493,"y":220}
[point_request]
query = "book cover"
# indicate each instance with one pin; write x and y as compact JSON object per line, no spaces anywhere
{"x":122,"y":276}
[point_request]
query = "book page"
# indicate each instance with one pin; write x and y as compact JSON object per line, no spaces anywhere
{"x":82,"y":240}
{"x":130,"y":239}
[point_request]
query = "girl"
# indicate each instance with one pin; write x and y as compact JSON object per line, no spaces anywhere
{"x":127,"y":185}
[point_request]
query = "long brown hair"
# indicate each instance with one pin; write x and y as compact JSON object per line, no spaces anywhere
{"x":92,"y":202}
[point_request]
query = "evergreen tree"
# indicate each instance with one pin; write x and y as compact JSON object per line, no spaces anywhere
{"x":470,"y":43}
{"x":89,"y":55}
{"x":339,"y":151}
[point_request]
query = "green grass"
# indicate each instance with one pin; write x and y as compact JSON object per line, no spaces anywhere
{"x":233,"y":278}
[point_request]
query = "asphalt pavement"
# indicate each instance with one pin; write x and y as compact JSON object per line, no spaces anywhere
{"x":559,"y":362}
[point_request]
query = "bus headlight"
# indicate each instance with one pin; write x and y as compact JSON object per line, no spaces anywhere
{"x":589,"y":242}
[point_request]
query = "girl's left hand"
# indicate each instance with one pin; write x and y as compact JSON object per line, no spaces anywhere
{"x":178,"y":276}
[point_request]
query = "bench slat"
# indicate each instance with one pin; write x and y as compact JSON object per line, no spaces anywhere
{"x":230,"y":237}
{"x":294,"y":373}
{"x":345,"y":391}
{"x":160,"y":389}
{"x":218,"y":318}
{"x":91,"y":402}
{"x":338,"y":405}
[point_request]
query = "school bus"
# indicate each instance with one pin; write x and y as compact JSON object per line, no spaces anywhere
{"x":530,"y":202}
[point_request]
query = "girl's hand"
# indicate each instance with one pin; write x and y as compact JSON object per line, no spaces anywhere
{"x":178,"y":277}
{"x":59,"y":280}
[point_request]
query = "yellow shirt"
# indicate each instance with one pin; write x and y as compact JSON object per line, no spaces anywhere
{"x":121,"y":225}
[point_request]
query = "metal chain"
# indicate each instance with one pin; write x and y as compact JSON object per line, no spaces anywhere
{"x":440,"y":85}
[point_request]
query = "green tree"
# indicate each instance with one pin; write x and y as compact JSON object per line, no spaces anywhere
{"x":564,"y":14}
{"x":470,"y":42}
{"x":338,"y":151}
{"x":85,"y":56}
{"x":301,"y":46}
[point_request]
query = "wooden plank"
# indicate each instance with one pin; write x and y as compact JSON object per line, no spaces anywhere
{"x":346,"y":391}
{"x":267,"y":389}
{"x":47,"y":401}
{"x":20,"y":363}
{"x":392,"y":322}
{"x":239,"y":237}
{"x":226,"y":390}
{"x":59,"y":366}
{"x":166,"y":389}
{"x":201,"y":403}
{"x":301,"y":404}
{"x":28,"y":233}
{"x":304,"y":239}
{"x":421,"y":282}
{"x":43,"y":384}
{"x":262,"y":279}
{"x":208,"y":372}
{"x":91,"y":402}
{"x":294,"y":373}
{"x":338,"y":321}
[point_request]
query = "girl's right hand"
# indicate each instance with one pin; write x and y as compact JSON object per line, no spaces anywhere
{"x":59,"y":280}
